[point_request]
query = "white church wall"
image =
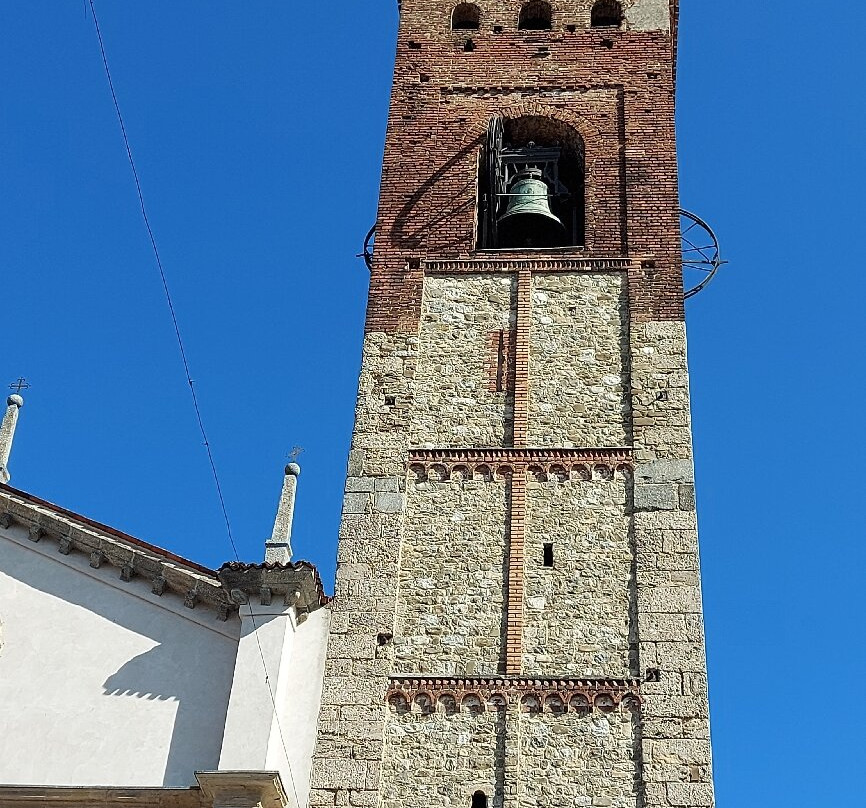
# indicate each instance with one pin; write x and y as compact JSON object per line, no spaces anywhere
{"x":293,"y":655}
{"x":102,"y":682}
{"x":301,"y":697}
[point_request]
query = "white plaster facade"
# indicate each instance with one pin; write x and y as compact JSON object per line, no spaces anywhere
{"x":124,"y":666}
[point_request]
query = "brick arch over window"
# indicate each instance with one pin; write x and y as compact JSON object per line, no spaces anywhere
{"x":466,"y":17}
{"x":606,"y":14}
{"x":535,"y":15}
{"x":589,"y":131}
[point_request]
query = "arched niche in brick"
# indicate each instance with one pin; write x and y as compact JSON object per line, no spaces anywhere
{"x":535,"y":15}
{"x":466,"y":17}
{"x":606,"y":14}
{"x":398,"y":703}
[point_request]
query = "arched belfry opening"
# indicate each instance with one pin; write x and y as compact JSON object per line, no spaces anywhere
{"x":479,"y":800}
{"x":535,"y":16}
{"x":606,"y":14}
{"x":531,"y":193}
{"x":466,"y":17}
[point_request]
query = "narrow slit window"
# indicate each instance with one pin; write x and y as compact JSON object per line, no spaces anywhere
{"x":548,"y":554}
{"x":479,"y":800}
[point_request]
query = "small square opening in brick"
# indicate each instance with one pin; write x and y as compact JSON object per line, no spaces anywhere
{"x":390,"y":401}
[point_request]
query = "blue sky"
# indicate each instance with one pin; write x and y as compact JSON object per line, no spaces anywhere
{"x":258,"y":134}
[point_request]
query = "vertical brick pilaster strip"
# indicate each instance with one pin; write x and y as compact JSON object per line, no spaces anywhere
{"x":517,"y":506}
{"x":521,"y":358}
{"x":516,"y":554}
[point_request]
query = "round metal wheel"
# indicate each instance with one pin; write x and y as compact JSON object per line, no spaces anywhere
{"x":369,"y":244}
{"x":701,"y":255}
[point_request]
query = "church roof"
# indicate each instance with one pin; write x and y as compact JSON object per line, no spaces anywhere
{"x":224,"y":590}
{"x":84,"y":520}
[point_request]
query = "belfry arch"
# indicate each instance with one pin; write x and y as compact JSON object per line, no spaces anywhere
{"x":539,"y":160}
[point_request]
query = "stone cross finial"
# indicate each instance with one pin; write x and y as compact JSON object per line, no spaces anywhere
{"x":279,"y":548}
{"x":7,"y":427}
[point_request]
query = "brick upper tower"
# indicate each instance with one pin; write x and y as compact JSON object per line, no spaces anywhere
{"x":517,"y":619}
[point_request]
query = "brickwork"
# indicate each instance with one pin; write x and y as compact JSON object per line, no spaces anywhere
{"x":517,"y":608}
{"x":613,"y":87}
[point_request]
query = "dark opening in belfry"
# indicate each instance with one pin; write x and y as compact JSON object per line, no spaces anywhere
{"x":535,"y":16}
{"x":479,"y":800}
{"x":531,"y":193}
{"x":466,"y":17}
{"x":606,"y":14}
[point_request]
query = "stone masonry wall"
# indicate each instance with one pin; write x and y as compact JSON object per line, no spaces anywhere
{"x":451,"y":593}
{"x":577,"y":760}
{"x":454,"y":405}
{"x":438,"y":755}
{"x":441,"y":759}
{"x":578,"y":612}
{"x":677,"y":757}
{"x":351,"y":722}
{"x":426,"y":382}
{"x":577,"y":383}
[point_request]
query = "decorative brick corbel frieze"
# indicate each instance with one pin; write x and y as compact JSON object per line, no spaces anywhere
{"x":34,"y":533}
{"x":539,"y":464}
{"x":476,"y":266}
{"x":6,"y":520}
{"x":429,"y":695}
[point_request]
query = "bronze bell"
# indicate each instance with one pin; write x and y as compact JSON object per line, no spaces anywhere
{"x":528,"y":221}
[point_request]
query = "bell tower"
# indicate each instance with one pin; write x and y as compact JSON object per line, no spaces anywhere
{"x":517,"y":619}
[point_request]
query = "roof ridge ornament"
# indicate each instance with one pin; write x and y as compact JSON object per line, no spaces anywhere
{"x":278,"y":549}
{"x":7,"y":426}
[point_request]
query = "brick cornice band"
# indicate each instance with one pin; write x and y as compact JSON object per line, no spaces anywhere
{"x":548,"y":263}
{"x":534,"y":695}
{"x":516,"y":457}
{"x":585,"y":464}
